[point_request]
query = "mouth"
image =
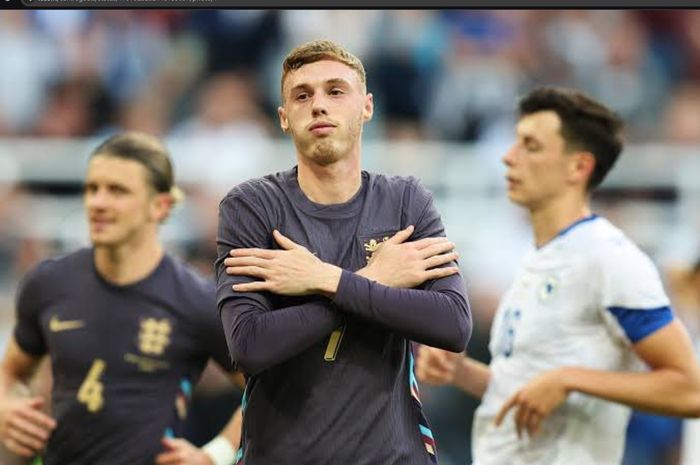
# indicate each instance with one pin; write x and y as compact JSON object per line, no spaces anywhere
{"x":512,"y":182}
{"x":99,"y":224}
{"x":321,"y":127}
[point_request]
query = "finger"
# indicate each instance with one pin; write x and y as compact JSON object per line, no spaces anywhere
{"x":284,"y":242}
{"x":254,"y":271}
{"x":532,"y":422}
{"x":521,"y":415}
{"x":437,"y":248}
{"x":36,"y":402}
{"x":19,"y":449}
{"x":39,"y":419}
{"x":435,"y":358}
{"x":401,"y":236}
{"x":441,"y":259}
{"x":169,"y":443}
{"x":255,"y":252}
{"x":26,"y":440}
{"x":428,"y":241}
{"x":246,"y":261}
{"x":510,"y":403}
{"x":169,"y":458}
{"x":434,"y":375}
{"x":256,"y":286}
{"x":437,"y":273}
{"x":24,"y":428}
{"x":28,"y":428}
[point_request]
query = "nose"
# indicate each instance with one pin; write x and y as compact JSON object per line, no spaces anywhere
{"x":96,"y":199}
{"x":508,"y":158}
{"x":319,"y":105}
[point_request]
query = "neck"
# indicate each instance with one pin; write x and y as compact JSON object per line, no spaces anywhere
{"x":128,"y":263}
{"x":548,"y":220}
{"x":330,"y":184}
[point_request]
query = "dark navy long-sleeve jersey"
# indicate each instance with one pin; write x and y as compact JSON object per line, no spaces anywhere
{"x":331,"y":381}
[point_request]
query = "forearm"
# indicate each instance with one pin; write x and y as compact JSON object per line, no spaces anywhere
{"x":223,"y":448}
{"x":472,"y":377}
{"x":260,"y":338}
{"x":16,"y":369}
{"x":664,"y":391}
{"x":232,"y":430}
{"x":8,"y":382}
{"x":437,"y":317}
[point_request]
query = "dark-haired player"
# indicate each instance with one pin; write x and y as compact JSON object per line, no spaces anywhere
{"x":585,"y":310}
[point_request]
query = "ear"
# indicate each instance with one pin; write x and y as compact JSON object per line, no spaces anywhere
{"x":368,"y":108}
{"x":582,"y":167}
{"x":161,"y":205}
{"x":284,"y":122}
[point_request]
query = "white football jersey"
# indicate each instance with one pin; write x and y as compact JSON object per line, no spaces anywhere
{"x":581,"y":300}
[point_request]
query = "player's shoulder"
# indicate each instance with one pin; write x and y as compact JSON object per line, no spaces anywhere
{"x":395,"y":181}
{"x":408,"y":187}
{"x":608,"y":246}
{"x":64,"y":265}
{"x":260,"y":187}
{"x":188,"y":279}
{"x":54,"y":272}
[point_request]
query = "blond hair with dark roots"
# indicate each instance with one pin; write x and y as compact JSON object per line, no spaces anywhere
{"x":318,"y":50}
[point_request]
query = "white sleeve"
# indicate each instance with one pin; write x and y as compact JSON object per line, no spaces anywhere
{"x":632,"y":290}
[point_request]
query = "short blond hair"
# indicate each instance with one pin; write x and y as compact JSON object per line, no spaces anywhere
{"x":318,"y":50}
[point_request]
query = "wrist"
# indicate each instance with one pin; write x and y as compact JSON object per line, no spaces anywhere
{"x":461,"y":371}
{"x":567,"y":377}
{"x":366,"y":273}
{"x":329,"y":279}
{"x":220,"y":451}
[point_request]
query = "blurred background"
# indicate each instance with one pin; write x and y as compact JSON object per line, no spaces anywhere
{"x":445,"y":86}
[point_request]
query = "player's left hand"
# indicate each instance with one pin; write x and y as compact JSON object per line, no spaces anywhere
{"x":181,"y":452}
{"x":294,"y":270}
{"x":535,"y":401}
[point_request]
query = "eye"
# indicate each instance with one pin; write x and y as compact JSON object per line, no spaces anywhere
{"x":301,"y":96}
{"x":89,"y":188}
{"x":336,"y":91}
{"x":117,"y":189}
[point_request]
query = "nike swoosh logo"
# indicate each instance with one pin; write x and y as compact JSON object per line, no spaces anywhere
{"x":55,"y":325}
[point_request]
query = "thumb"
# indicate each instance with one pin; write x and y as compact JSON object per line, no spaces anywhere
{"x":284,"y":241}
{"x":36,"y":402}
{"x":169,"y":443}
{"x":401,"y":236}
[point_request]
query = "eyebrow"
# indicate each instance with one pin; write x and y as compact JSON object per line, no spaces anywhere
{"x":333,"y":81}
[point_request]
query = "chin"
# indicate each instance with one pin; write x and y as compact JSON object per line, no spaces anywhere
{"x":325,"y":153}
{"x":102,"y":240}
{"x":517,"y":199}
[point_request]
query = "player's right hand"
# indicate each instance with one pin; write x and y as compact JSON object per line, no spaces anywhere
{"x":401,"y":264}
{"x":24,"y":428}
{"x":182,"y":452}
{"x":436,"y":366}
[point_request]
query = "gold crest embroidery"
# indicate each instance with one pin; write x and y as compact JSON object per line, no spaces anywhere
{"x":372,"y":246}
{"x":154,"y":336}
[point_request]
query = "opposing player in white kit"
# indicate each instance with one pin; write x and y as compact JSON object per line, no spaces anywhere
{"x":585,"y":310}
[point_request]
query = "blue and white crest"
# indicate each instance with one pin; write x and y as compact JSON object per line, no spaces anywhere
{"x":548,"y":287}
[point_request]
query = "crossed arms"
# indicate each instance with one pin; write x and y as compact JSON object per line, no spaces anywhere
{"x":383,"y":292}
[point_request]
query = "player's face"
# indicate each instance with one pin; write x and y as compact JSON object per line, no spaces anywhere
{"x":324,"y":110}
{"x":538,"y":165}
{"x":119,"y":202}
